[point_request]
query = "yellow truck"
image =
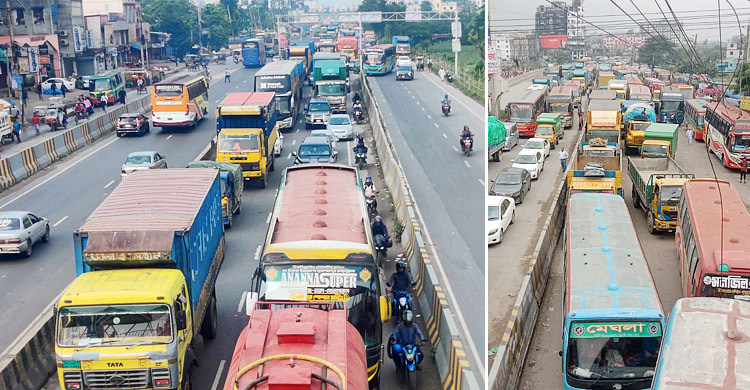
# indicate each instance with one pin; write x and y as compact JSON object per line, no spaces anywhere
{"x":657,"y":186}
{"x":247,"y":132}
{"x":604,"y":121}
{"x":604,"y":78}
{"x":596,"y":168}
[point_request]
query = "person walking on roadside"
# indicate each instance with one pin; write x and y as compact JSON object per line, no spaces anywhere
{"x":63,"y":89}
{"x":689,"y":134}
{"x":87,"y":105}
{"x":17,"y":131}
{"x":743,"y":169}
{"x":441,"y":73}
{"x":36,"y":122}
{"x":39,"y":90}
{"x":24,"y":97}
{"x":580,"y":119}
{"x":53,"y":87}
{"x":563,"y":155}
{"x":104,"y":98}
{"x":123,"y":94}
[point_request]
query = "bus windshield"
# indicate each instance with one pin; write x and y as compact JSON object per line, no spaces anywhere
{"x":238,"y":143}
{"x":521,"y":112}
{"x":168,"y":89}
{"x":741,"y":143}
{"x":374,"y":58}
{"x":352,"y":286}
{"x":99,"y":85}
{"x":114,"y":325}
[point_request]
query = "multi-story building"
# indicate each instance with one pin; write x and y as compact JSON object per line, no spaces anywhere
{"x":552,"y":19}
{"x":47,"y":35}
{"x":576,"y":31}
{"x":735,"y":51}
{"x":524,"y":47}
{"x":443,"y":6}
{"x":116,"y":34}
{"x":502,"y":47}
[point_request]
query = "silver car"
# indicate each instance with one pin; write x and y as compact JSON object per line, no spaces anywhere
{"x":341,"y":126}
{"x":19,"y":230}
{"x":325,"y":133}
{"x":140,"y":161}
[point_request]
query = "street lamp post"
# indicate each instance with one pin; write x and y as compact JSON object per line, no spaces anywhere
{"x":9,"y":54}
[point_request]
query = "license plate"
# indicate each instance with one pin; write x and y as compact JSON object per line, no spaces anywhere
{"x":169,"y":119}
{"x":71,"y":364}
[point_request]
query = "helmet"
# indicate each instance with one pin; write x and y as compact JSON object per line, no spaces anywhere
{"x":400,"y":266}
{"x":446,"y":96}
{"x":466,"y":128}
{"x":408,"y":317}
{"x":378,"y":219}
{"x":368,"y":180}
{"x":359,"y":137}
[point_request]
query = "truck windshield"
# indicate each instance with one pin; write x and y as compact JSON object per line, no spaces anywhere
{"x":654,"y":151}
{"x":355,"y":287}
{"x":641,"y":126}
{"x":544,"y":130}
{"x":331,"y":89}
{"x":671,"y":194}
{"x":620,"y":95}
{"x":559,"y":107}
{"x":602,"y":358}
{"x":670,"y":106}
{"x":238,"y":143}
{"x":521,"y":112}
{"x":114,"y":325}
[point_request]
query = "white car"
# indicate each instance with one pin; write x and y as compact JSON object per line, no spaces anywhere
{"x":325,"y":133}
{"x":501,"y":212}
{"x":403,"y":61}
{"x":47,"y":84}
{"x":530,"y":160}
{"x":141,"y":161}
{"x":540,"y":144}
{"x":278,"y":145}
{"x":19,"y":230}
{"x":341,"y":126}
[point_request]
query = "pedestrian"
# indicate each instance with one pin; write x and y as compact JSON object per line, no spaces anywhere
{"x":87,"y":105}
{"x":580,"y":119}
{"x":743,"y":169}
{"x":105,"y":99}
{"x":63,"y":89}
{"x":53,"y":87}
{"x":689,"y":134}
{"x":227,"y":76}
{"x":36,"y":121}
{"x":441,"y":73}
{"x":123,"y":94}
{"x":39,"y":90}
{"x":17,"y":131}
{"x":563,"y":155}
{"x":140,"y":85}
{"x":429,"y":64}
{"x":24,"y":97}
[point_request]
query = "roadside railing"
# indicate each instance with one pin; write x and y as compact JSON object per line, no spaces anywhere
{"x":466,"y":79}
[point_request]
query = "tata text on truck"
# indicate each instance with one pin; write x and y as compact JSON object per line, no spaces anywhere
{"x":247,"y":131}
{"x":657,"y":186}
{"x":285,"y":78}
{"x":319,"y":248}
{"x":300,"y":345}
{"x":147,"y":263}
{"x":329,"y":82}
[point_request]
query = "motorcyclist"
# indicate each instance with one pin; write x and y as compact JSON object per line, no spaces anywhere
{"x":371,"y":191}
{"x":407,"y":332}
{"x":360,"y":146}
{"x":447,"y":102}
{"x":400,"y":280}
{"x":378,"y":227}
{"x":466,"y":133}
{"x":356,"y":98}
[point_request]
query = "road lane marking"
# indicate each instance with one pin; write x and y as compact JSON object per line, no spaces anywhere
{"x":436,"y":125}
{"x":60,"y":221}
{"x":268,"y":219}
{"x":244,"y":81}
{"x":445,"y":136}
{"x":423,"y":109}
{"x":237,"y":86}
{"x":429,"y":116}
{"x":45,"y":181}
{"x":242,"y":301}
{"x":297,"y":131}
{"x":256,"y":256}
{"x":467,"y":163}
{"x":348,"y":153}
{"x":289,"y":156}
{"x":481,"y":182}
{"x":455,"y":148}
{"x":418,"y":103}
{"x":294,"y":141}
{"x":109,"y":184}
{"x":218,"y":375}
{"x":170,"y":136}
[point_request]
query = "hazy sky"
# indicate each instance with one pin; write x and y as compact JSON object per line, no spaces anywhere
{"x":697,"y":16}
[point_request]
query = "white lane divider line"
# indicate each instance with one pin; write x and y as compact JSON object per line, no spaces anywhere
{"x":109,"y":184}
{"x":467,"y":163}
{"x":289,"y":156}
{"x":60,"y":221}
{"x":242,"y":301}
{"x":445,"y":136}
{"x":455,"y":148}
{"x":268,"y":219}
{"x":481,"y":182}
{"x":294,"y":141}
{"x":436,"y":125}
{"x":256,"y":256}
{"x":244,"y":81}
{"x":423,"y":109}
{"x":297,"y":130}
{"x":236,"y":86}
{"x":170,"y":136}
{"x":418,"y":103}
{"x":429,"y":116}
{"x":218,"y":375}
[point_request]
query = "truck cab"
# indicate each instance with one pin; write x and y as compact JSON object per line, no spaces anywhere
{"x":660,"y":140}
{"x":331,"y":83}
{"x":549,"y":127}
{"x":232,"y":185}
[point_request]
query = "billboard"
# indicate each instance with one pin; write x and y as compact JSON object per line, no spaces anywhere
{"x":554,"y":41}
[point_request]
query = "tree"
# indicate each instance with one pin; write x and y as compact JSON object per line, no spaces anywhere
{"x":742,"y":77}
{"x":216,"y":19}
{"x":562,"y":56}
{"x":657,"y":52}
{"x":425,"y":6}
{"x":176,"y":17}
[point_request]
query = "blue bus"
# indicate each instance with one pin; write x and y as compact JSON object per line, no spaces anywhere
{"x":286,"y":79}
{"x":703,"y":345}
{"x":612,"y":316}
{"x":253,"y":52}
{"x":379,"y":59}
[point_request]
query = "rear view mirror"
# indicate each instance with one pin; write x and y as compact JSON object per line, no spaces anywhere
{"x":294,"y":154}
{"x":252,"y":299}
{"x":181,"y":319}
{"x":335,"y":153}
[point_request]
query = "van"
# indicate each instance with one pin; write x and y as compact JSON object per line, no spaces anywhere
{"x":549,"y":126}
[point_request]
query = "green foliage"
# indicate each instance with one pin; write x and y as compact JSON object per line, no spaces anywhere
{"x":176,"y":17}
{"x":425,"y":6}
{"x":657,"y":52}
{"x":216,"y":18}
{"x":562,"y":56}
{"x":742,"y":77}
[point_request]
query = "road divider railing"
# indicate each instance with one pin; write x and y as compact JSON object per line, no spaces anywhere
{"x":27,"y":162}
{"x":507,"y":367}
{"x":445,"y":338}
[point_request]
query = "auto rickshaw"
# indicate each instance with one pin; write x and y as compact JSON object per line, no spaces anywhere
{"x":237,"y":56}
{"x":51,"y":116}
{"x":420,"y":63}
{"x":191,"y":60}
{"x":205,"y":59}
{"x":132,"y":75}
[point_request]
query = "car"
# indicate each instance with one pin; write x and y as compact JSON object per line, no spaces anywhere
{"x":141,"y":161}
{"x":20,"y":230}
{"x":530,"y":160}
{"x":540,"y":144}
{"x":512,"y":182}
{"x":315,"y":150}
{"x":47,"y":85}
{"x":403,"y":61}
{"x":325,"y":133}
{"x":132,"y":123}
{"x":501,"y":213}
{"x":82,"y":82}
{"x":278,"y":145}
{"x":512,"y":137}
{"x":317,"y":113}
{"x":341,"y":126}
{"x":405,"y":72}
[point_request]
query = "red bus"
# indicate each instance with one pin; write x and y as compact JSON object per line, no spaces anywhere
{"x":695,"y":115}
{"x":728,"y":133}
{"x":713,"y":240}
{"x":524,"y":111}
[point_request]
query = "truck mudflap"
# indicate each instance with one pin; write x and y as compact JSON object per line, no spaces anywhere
{"x":208,"y":288}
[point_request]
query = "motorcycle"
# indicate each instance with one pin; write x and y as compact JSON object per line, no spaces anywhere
{"x":381,"y":248}
{"x":81,"y":115}
{"x":360,"y":157}
{"x":446,"y":109}
{"x":401,"y":302}
{"x":358,"y":115}
{"x":407,"y":359}
{"x":466,"y":145}
{"x":372,"y":206}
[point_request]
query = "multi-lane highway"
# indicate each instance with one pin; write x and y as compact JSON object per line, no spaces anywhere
{"x":447,"y":185}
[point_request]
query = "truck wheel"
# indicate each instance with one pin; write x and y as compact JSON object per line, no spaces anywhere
{"x":210,"y":323}
{"x":273,"y":163}
{"x":651,"y":227}
{"x":496,"y":156}
{"x":187,"y":379}
{"x":264,"y":181}
{"x":634,"y":195}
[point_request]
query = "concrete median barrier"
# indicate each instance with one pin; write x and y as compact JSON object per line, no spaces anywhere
{"x":446,"y":341}
{"x":29,"y":362}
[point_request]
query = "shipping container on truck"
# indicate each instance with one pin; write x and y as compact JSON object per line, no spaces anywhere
{"x":147,"y":263}
{"x":300,"y":345}
{"x":330,"y":83}
{"x":285,"y":78}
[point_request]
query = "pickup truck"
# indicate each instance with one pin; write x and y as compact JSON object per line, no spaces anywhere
{"x":232,"y":184}
{"x":657,"y":186}
{"x":147,"y":263}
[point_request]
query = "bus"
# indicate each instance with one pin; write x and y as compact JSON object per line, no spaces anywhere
{"x":180,"y":102}
{"x":286,"y":78}
{"x":319,"y":248}
{"x":695,"y":115}
{"x":699,"y":350}
{"x":524,"y":111}
{"x":728,"y":133}
{"x":110,"y":82}
{"x":253,"y":52}
{"x":639,"y":92}
{"x":379,"y":59}
{"x":612,"y":316}
{"x":713,"y":240}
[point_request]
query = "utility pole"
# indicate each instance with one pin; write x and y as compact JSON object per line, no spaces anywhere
{"x":141,"y":41}
{"x":9,"y":54}
{"x":200,"y":30}
{"x":455,"y":53}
